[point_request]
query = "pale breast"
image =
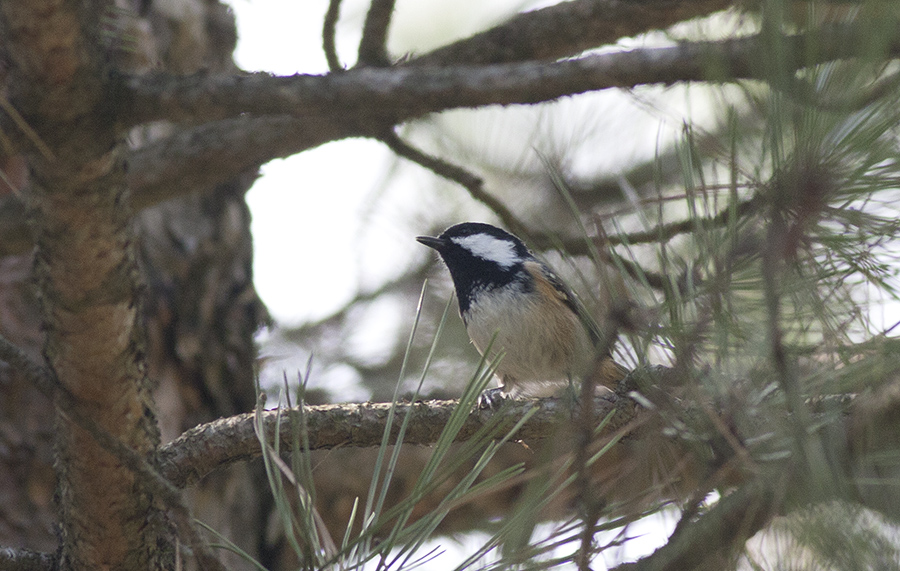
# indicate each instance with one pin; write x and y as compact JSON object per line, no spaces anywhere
{"x":542,"y":341}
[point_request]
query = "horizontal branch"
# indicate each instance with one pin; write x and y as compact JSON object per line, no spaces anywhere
{"x":397,"y":94}
{"x":199,"y":158}
{"x":858,"y":439}
{"x":207,"y":447}
{"x":307,"y":111}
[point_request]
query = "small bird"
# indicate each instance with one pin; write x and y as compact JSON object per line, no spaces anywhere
{"x":505,"y":294}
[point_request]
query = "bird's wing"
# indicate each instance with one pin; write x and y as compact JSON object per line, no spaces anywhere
{"x":539,"y":270}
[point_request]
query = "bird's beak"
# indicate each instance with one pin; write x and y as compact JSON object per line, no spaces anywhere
{"x":436,"y":243}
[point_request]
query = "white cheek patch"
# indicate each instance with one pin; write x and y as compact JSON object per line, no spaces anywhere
{"x":496,"y":250}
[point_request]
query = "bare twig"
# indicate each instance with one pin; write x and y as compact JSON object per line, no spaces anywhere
{"x":406,"y":282}
{"x":329,"y":26}
{"x":46,"y":382}
{"x":373,"y":45}
{"x":471,"y":182}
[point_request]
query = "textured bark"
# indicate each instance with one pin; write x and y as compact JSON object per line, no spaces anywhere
{"x":207,"y":447}
{"x":86,"y":277}
{"x":651,"y":461}
{"x":27,"y":480}
{"x":202,"y":307}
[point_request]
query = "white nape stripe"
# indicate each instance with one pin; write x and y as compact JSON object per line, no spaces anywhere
{"x":503,"y":252}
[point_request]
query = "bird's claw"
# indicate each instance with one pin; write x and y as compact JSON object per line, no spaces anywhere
{"x":490,"y":399}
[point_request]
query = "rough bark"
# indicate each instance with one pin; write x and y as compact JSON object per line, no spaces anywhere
{"x":568,"y":28}
{"x":86,"y":276}
{"x":200,"y":360}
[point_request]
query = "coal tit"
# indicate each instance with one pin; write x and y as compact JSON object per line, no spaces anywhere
{"x":505,"y":294}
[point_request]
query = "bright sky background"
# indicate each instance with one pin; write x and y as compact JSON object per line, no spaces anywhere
{"x":305,"y":216}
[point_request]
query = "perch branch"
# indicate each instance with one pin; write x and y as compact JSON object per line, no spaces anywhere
{"x":205,"y":448}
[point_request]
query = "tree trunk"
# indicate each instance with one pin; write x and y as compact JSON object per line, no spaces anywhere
{"x":199,"y":309}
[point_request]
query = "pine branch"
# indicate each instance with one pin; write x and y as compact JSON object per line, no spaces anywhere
{"x":204,"y":156}
{"x":857,"y":442}
{"x":398,"y":94}
{"x":660,"y":234}
{"x":198,"y":158}
{"x":210,"y":446}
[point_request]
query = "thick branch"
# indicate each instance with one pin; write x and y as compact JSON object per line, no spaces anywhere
{"x":397,"y":94}
{"x":858,"y":441}
{"x":204,"y":156}
{"x":86,"y":277}
{"x":201,"y":157}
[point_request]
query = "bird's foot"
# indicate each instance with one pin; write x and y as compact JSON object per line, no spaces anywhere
{"x":490,"y":399}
